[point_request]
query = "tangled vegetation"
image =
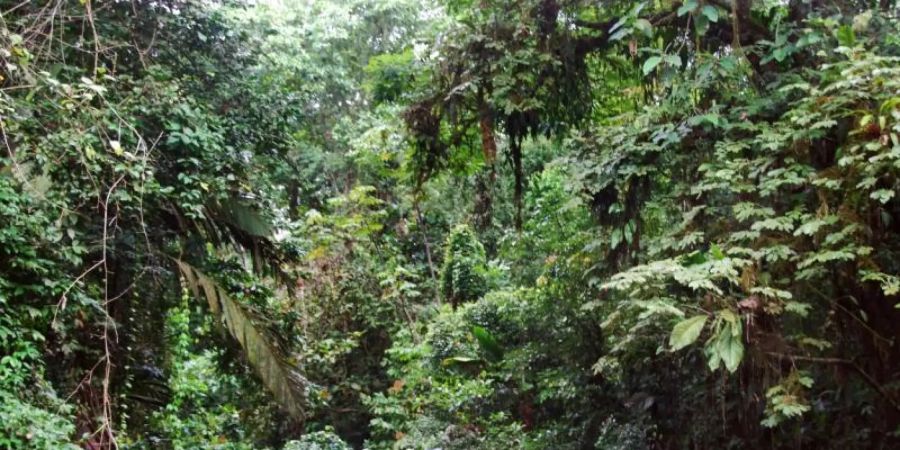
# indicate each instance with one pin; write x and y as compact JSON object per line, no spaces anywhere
{"x":449,"y":224}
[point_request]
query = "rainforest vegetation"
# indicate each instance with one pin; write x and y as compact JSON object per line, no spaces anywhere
{"x":449,"y":224}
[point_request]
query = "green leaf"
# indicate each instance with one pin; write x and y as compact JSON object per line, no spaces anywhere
{"x":673,"y":60}
{"x":890,"y":284}
{"x":651,"y":64}
{"x":686,"y":332}
{"x":618,"y":35}
{"x":716,"y":252}
{"x":615,"y":238}
{"x":245,"y":218}
{"x":459,"y":360}
{"x":488,"y":343}
{"x":882,"y":195}
{"x":714,"y":361}
{"x":799,"y":308}
{"x":846,"y":36}
{"x":711,"y":13}
{"x":694,"y":258}
{"x":688,"y":6}
{"x":701,"y":23}
{"x":644,"y":26}
{"x":730,"y":347}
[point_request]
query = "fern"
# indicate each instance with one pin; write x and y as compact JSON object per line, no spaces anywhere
{"x":279,"y":376}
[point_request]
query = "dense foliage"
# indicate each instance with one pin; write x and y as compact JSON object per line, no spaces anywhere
{"x":449,"y":224}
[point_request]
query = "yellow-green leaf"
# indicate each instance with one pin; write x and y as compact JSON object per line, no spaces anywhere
{"x":686,"y":332}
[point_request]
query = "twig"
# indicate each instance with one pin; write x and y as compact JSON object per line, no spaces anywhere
{"x":90,"y":17}
{"x":61,"y":304}
{"x":107,"y":373}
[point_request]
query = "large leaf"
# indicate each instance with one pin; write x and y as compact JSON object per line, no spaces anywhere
{"x":453,"y":360}
{"x":687,"y":6}
{"x":711,"y":13}
{"x":686,"y":332}
{"x":651,"y":64}
{"x":280,"y":377}
{"x":236,"y":221}
{"x":247,"y":219}
{"x":728,"y":347}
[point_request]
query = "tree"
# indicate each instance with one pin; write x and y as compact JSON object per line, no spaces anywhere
{"x":217,"y":218}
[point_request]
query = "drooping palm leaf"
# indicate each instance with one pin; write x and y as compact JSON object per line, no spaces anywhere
{"x":280,"y":377}
{"x":238,"y":222}
{"x":243,"y":216}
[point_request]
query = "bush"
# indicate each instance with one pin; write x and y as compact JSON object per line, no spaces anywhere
{"x":320,"y":440}
{"x":499,"y":312}
{"x":24,"y":426}
{"x":464,"y":273}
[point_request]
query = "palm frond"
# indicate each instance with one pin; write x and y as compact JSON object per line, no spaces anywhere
{"x":280,"y":377}
{"x":246,"y":218}
{"x":239,"y":223}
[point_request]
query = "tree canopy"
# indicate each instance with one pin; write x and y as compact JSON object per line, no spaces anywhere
{"x":449,"y":224}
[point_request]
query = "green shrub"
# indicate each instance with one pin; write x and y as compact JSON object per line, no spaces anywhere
{"x":320,"y":440}
{"x":500,"y":313}
{"x":24,"y":426}
{"x":464,"y":273}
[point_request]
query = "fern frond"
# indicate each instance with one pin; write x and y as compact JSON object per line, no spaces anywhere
{"x":280,"y":377}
